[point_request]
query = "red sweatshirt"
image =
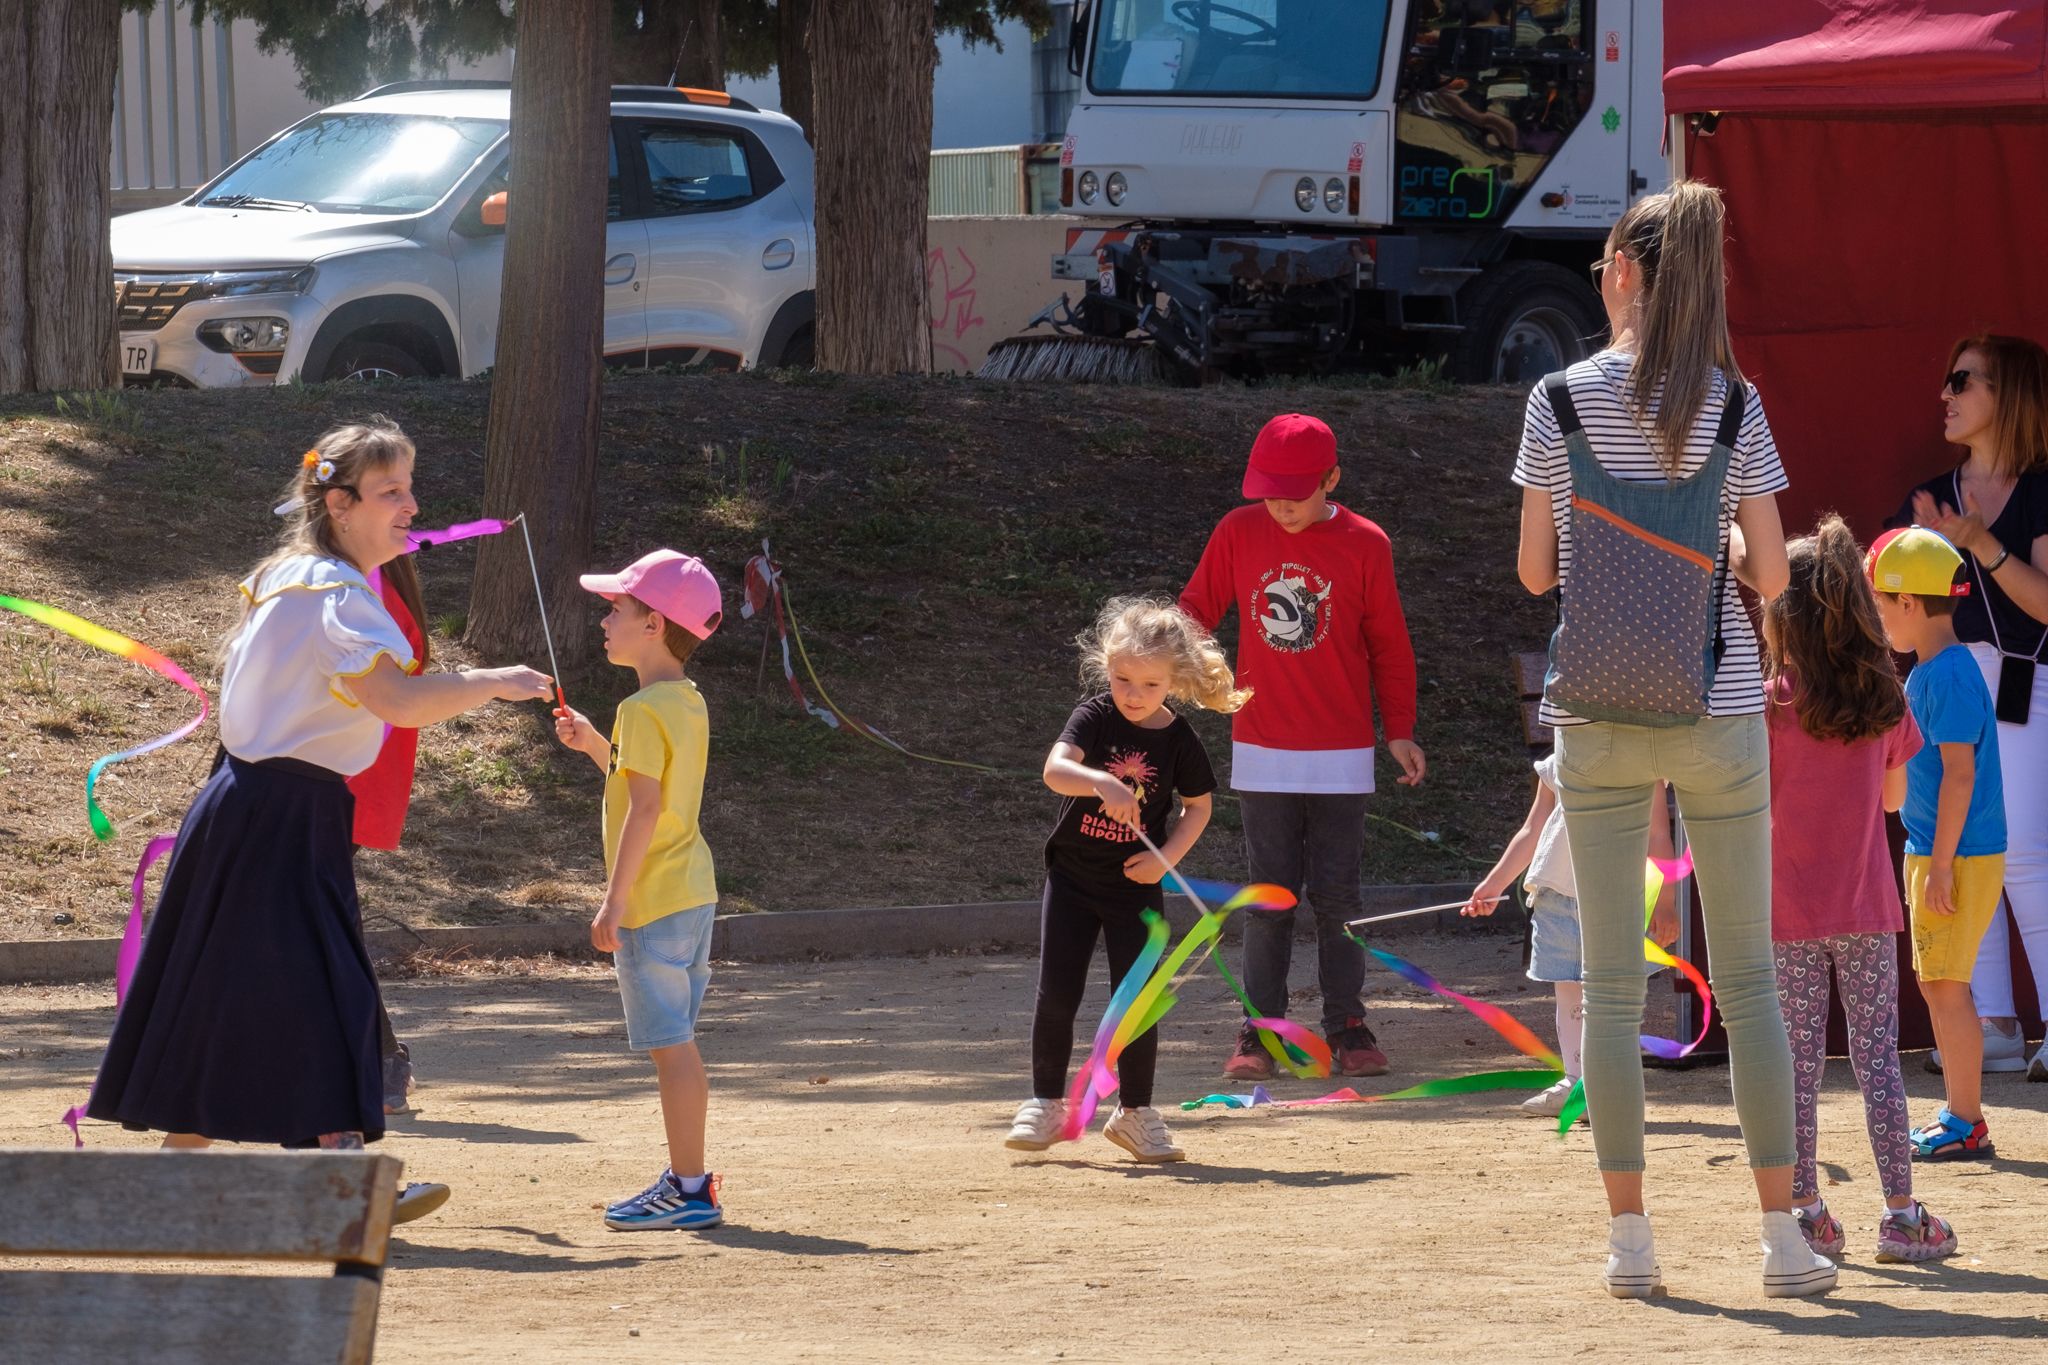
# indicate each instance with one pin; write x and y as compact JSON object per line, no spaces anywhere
{"x":1320,"y":632}
{"x":384,"y":789}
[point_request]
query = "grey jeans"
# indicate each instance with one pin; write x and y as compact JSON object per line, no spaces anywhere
{"x":1312,"y":844}
{"x":1721,"y":770}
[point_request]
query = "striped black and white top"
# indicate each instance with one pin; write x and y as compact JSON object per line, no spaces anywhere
{"x":1624,"y":451}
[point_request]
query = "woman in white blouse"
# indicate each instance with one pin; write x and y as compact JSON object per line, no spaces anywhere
{"x":253,"y":1013}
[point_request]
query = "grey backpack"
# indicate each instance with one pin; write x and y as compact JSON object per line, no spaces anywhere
{"x":1638,"y":634}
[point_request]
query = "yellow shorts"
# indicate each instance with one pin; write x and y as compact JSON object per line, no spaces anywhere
{"x":1945,"y":946}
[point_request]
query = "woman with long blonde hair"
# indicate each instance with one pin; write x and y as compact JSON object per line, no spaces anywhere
{"x":1648,"y":473}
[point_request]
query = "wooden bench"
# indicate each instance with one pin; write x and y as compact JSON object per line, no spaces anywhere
{"x":332,"y":1208}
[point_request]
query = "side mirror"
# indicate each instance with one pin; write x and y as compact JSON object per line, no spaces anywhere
{"x":1077,"y":38}
{"x":492,"y":210}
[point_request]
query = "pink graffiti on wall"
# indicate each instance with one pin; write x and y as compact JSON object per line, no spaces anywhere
{"x":949,"y":306}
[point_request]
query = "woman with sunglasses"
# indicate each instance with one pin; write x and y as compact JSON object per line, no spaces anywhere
{"x":1664,"y":412}
{"x":1994,"y":507}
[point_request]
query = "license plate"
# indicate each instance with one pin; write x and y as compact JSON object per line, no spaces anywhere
{"x":138,"y":357}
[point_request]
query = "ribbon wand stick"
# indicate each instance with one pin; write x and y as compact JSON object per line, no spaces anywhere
{"x":1418,"y":910}
{"x":540,"y":599}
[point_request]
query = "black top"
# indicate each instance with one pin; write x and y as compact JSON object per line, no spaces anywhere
{"x":2024,"y":519}
{"x":1154,"y":763}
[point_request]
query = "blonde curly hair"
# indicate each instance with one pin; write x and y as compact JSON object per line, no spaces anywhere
{"x":1155,"y":628}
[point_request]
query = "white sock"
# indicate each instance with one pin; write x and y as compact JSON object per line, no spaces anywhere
{"x":1812,"y":1210}
{"x":689,"y":1184}
{"x":1908,"y":1214}
{"x":1571,"y":1025}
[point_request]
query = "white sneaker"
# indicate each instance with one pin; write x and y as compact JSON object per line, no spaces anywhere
{"x":2002,"y":1052}
{"x":1142,"y":1133}
{"x":2037,"y":1070}
{"x":1792,"y":1269}
{"x":1548,"y":1104}
{"x":417,"y":1200}
{"x":1037,"y":1125}
{"x":1632,"y":1271}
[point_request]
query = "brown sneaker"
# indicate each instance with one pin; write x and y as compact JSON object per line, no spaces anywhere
{"x":1356,"y":1052}
{"x":1250,"y":1062}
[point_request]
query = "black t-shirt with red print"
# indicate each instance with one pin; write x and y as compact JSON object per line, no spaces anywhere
{"x":1088,"y":847}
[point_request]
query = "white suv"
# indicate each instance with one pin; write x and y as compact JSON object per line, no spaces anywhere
{"x":358,"y":244}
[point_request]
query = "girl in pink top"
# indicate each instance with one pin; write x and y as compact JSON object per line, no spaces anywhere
{"x":1840,"y":738}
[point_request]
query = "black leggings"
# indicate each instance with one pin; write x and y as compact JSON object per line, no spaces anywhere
{"x":1071,"y":919}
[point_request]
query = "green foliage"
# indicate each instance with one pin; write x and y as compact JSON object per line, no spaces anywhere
{"x":343,"y":47}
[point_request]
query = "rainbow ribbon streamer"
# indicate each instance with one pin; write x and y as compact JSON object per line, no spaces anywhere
{"x":1520,"y":1079}
{"x":1668,"y":1049}
{"x":1152,"y":985}
{"x":1493,"y":1016}
{"x":99,"y":637}
{"x":130,"y":954}
{"x":1293,"y":1047}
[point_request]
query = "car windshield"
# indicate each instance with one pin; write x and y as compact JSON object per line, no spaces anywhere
{"x":358,"y":163}
{"x":1250,"y":49}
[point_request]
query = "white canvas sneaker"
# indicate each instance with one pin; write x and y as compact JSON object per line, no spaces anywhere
{"x":1548,"y":1104}
{"x":1142,"y":1133}
{"x":1632,"y":1271}
{"x":1037,"y":1125}
{"x":2002,"y":1052}
{"x":1792,"y":1269}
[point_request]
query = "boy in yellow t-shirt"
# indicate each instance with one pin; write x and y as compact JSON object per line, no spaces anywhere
{"x":660,"y":893}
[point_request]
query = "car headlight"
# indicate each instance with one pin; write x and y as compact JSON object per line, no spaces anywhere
{"x":227,"y":284}
{"x":1117,"y":187}
{"x":235,"y":335}
{"x":1088,"y":187}
{"x":1333,"y":195}
{"x":1305,"y":194}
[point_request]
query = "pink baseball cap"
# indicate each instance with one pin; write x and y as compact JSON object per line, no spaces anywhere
{"x":1290,"y":457}
{"x":674,"y":584}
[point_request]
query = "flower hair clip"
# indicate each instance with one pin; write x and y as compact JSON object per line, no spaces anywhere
{"x":323,"y":470}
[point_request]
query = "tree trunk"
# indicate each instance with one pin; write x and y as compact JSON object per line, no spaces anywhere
{"x":873,"y":63}
{"x":679,"y":38}
{"x":793,"y":60}
{"x":57,"y":319}
{"x":541,"y":442}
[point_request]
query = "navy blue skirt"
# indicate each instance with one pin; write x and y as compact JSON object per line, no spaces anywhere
{"x":253,"y":1013}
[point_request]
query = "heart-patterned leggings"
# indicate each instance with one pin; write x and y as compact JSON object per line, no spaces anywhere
{"x":1866,"y":967}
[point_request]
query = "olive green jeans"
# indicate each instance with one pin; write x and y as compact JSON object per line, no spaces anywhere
{"x":1720,"y":768}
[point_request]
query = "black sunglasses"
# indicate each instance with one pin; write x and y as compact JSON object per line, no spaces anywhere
{"x":1958,"y":381}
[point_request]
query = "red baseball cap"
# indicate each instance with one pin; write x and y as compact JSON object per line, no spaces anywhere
{"x":1290,"y":457}
{"x":675,"y":584}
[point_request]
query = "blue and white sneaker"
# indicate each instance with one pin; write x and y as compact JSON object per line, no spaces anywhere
{"x":665,"y":1205}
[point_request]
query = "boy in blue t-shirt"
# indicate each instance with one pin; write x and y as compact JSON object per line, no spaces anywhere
{"x":1954,"y":815}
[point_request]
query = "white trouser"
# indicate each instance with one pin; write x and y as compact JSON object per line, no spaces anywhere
{"x":2023,"y":761}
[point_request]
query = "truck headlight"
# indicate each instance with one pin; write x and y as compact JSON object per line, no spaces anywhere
{"x":1088,"y":187}
{"x":1117,"y":187}
{"x":1305,"y":194}
{"x":239,"y":335}
{"x":1333,"y":195}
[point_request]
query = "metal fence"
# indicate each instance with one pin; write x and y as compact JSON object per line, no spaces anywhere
{"x":174,"y":108}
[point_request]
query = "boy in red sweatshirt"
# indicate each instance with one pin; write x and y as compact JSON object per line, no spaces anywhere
{"x":1320,"y":633}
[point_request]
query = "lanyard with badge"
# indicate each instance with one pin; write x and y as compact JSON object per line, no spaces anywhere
{"x":2015,"y":671}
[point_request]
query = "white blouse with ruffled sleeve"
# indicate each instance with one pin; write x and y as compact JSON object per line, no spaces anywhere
{"x":313,"y":626}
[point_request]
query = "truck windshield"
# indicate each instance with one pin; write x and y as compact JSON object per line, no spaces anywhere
{"x":1247,"y":49}
{"x":358,"y":163}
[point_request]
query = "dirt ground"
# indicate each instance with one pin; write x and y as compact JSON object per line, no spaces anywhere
{"x":858,"y":1112}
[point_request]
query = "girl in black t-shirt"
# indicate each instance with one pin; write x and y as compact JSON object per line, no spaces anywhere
{"x":1119,"y":762}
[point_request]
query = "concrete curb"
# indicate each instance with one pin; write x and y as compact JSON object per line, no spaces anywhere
{"x":880,"y":931}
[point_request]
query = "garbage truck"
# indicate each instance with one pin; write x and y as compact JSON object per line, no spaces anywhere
{"x":1276,"y":186}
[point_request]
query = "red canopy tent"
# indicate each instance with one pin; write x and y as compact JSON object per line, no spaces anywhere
{"x":1885,"y":165}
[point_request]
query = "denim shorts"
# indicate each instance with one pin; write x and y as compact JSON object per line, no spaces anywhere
{"x":662,"y":967}
{"x":1554,"y":953}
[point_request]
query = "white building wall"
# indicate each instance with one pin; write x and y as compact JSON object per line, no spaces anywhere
{"x":263,"y":96}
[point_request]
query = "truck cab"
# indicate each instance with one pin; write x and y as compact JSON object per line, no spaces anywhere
{"x":1279,"y":184}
